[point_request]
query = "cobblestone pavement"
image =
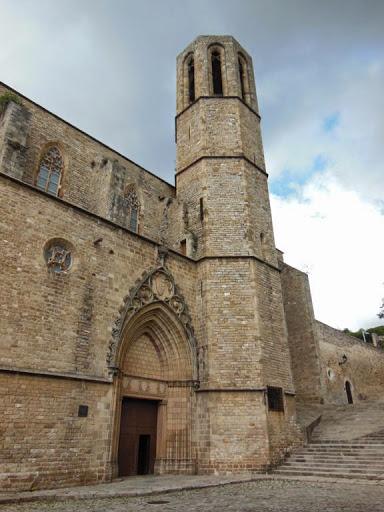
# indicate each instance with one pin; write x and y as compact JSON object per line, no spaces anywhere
{"x":259,"y":496}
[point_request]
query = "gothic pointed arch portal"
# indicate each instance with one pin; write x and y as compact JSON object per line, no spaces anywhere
{"x":153,"y":357}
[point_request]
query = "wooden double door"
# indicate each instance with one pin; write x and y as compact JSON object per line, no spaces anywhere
{"x":138,"y":431}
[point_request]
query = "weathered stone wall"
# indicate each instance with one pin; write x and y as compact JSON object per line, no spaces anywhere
{"x":363,"y":368}
{"x":44,"y":443}
{"x":61,"y":324}
{"x":232,"y":432}
{"x":14,"y":127}
{"x":95,"y":177}
{"x":51,"y":313}
{"x":302,"y":334}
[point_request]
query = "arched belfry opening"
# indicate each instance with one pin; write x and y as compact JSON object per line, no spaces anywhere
{"x":216,"y":70}
{"x":156,"y":375}
{"x":191,"y":79}
{"x":244,"y":78}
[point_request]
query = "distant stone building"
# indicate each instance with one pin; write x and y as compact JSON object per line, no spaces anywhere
{"x":147,"y":327}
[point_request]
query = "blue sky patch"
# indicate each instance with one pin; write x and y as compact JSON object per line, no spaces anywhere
{"x":331,"y":122}
{"x":289,"y":182}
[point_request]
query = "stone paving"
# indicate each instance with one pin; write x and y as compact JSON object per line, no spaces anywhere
{"x":268,"y":495}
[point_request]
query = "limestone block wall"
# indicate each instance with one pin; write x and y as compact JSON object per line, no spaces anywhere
{"x":302,"y":334}
{"x":246,"y":350}
{"x":228,"y":210}
{"x":14,"y":127}
{"x":95,"y":177}
{"x":44,"y":443}
{"x":232,"y":432}
{"x":59,"y":325}
{"x":283,"y":433}
{"x":363,"y":368}
{"x":63,"y":321}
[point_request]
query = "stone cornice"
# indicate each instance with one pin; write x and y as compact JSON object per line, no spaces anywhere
{"x":239,"y":257}
{"x":200,"y":98}
{"x":222,"y":157}
{"x":55,"y":375}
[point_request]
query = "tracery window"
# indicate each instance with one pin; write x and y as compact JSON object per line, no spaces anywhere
{"x":50,"y":171}
{"x":133,"y":205}
{"x":217,"y":81}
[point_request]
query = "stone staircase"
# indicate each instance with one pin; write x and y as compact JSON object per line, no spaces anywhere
{"x":360,"y":457}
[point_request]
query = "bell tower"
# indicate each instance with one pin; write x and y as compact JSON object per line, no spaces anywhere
{"x":246,"y":401}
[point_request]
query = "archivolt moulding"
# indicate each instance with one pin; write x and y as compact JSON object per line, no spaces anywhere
{"x":156,"y":285}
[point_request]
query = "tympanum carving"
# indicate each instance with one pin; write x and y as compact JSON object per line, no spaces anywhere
{"x":157,"y":285}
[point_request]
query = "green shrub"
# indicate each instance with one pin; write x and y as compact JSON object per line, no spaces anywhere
{"x":6,"y":98}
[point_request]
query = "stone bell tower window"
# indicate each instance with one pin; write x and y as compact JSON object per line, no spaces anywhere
{"x":217,"y":80}
{"x":50,"y":171}
{"x":243,"y":74}
{"x":191,"y":80}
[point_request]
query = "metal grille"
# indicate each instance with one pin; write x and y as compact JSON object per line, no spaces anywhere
{"x":275,"y":398}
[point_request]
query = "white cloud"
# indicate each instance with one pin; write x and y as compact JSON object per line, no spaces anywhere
{"x":336,"y":236}
{"x":300,"y":100}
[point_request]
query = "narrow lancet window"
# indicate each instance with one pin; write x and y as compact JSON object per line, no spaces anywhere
{"x":191,"y":80}
{"x":216,"y":73}
{"x":50,"y":171}
{"x":242,"y":78}
{"x":133,"y":219}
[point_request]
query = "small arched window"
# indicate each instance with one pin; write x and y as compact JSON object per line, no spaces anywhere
{"x":50,"y":171}
{"x":191,"y":80}
{"x":242,"y":85}
{"x":243,"y":74}
{"x":217,"y":81}
{"x":133,"y":206}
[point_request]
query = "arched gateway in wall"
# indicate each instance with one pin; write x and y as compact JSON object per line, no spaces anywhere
{"x":153,"y":356}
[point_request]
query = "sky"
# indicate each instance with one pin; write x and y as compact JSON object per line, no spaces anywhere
{"x":108,"y":67}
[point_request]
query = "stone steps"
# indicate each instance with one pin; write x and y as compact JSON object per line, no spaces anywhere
{"x":358,"y":458}
{"x":327,"y":474}
{"x":340,"y":464}
{"x":331,"y":470}
{"x":335,"y":460}
{"x":354,"y":451}
{"x":371,"y":440}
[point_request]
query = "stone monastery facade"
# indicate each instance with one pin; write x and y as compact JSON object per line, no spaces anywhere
{"x":151,"y":328}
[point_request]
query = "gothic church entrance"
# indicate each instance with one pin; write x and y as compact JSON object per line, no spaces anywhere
{"x":137,"y":443}
{"x":155,"y":383}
